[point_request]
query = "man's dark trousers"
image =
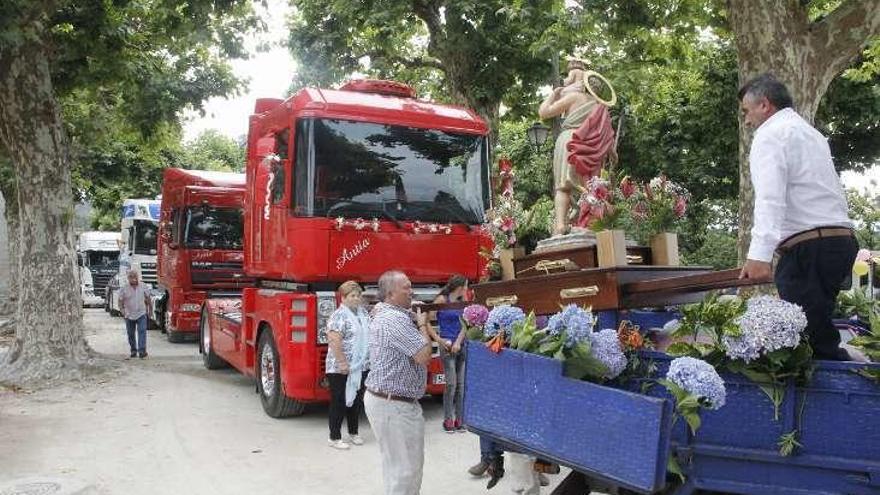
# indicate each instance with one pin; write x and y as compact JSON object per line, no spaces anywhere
{"x":139,"y":345}
{"x":810,"y":274}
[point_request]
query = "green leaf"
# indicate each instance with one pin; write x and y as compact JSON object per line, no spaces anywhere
{"x":673,"y":467}
{"x":693,"y":421}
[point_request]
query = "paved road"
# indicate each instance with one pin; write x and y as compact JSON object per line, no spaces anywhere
{"x":166,"y":425}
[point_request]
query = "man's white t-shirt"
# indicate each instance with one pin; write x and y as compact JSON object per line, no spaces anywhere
{"x":132,"y":300}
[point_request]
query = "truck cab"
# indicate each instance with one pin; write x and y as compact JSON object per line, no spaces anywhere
{"x":98,"y":260}
{"x":139,"y":238}
{"x":200,"y":246}
{"x":344,"y":185}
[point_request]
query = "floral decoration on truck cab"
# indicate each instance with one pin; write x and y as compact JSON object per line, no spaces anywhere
{"x":357,"y":223}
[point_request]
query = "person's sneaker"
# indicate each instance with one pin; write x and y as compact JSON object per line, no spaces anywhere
{"x":458,"y":426}
{"x":338,"y":444}
{"x":355,"y":440}
{"x":133,"y":354}
{"x":142,"y":354}
{"x":448,"y":426}
{"x":478,"y":469}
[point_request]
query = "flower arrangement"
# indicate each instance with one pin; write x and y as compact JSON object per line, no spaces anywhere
{"x":659,"y":206}
{"x":602,"y":206}
{"x":760,"y":339}
{"x":507,"y":212}
{"x":605,"y":347}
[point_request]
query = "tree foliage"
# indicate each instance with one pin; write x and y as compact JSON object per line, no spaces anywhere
{"x":463,"y":51}
{"x":134,"y":65}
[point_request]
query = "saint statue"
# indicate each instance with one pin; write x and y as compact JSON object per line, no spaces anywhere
{"x":586,"y":139}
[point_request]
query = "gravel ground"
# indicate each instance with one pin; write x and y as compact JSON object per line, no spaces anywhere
{"x":166,"y":425}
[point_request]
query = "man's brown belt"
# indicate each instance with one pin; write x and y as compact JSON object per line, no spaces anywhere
{"x":391,"y":396}
{"x":817,"y":233}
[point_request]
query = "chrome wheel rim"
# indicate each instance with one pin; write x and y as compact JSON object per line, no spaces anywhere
{"x":206,"y":337}
{"x":267,"y":370}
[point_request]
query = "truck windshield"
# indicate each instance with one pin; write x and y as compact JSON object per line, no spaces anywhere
{"x":145,"y":235}
{"x":99,"y":258}
{"x":362,"y":169}
{"x":208,"y":227}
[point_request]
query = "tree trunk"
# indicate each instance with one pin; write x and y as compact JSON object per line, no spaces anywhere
{"x":49,"y":342}
{"x":8,"y":305}
{"x":776,"y":36}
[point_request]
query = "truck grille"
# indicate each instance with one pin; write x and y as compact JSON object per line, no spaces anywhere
{"x":148,"y":276}
{"x":100,"y":281}
{"x":222,"y":275}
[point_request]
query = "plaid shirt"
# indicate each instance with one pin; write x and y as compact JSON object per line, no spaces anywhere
{"x":394,"y":340}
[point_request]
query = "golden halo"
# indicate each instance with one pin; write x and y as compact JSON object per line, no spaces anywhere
{"x":609,"y":103}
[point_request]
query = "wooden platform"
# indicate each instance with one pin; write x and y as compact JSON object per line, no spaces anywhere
{"x":610,"y":288}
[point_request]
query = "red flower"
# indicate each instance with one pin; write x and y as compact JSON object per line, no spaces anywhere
{"x":627,"y":187}
{"x":505,"y":165}
{"x":680,"y":206}
{"x":601,"y":192}
{"x":508,"y":224}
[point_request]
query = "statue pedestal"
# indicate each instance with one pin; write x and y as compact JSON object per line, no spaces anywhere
{"x":578,"y":238}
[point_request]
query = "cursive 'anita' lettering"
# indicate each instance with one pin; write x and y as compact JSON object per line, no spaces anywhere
{"x":350,"y":254}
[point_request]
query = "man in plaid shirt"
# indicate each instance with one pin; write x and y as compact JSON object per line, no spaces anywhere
{"x":399,"y":352}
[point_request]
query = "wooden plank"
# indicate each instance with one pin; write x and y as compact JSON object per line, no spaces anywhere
{"x":692,"y":283}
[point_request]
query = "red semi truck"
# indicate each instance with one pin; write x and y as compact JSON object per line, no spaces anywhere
{"x":200,"y":246}
{"x":345,"y":184}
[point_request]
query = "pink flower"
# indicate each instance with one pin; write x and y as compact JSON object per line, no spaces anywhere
{"x":508,"y":224}
{"x":475,"y":315}
{"x":680,"y":206}
{"x":627,"y":187}
{"x":648,"y":194}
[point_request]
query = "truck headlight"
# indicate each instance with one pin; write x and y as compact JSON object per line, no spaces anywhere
{"x":326,"y":307}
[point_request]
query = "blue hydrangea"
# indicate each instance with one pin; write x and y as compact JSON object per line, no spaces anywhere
{"x":768,"y":324}
{"x":575,"y":321}
{"x":503,"y":318}
{"x":699,"y":378}
{"x":606,"y":348}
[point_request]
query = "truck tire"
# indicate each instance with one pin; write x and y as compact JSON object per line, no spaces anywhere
{"x":210,"y":360}
{"x":268,"y":373}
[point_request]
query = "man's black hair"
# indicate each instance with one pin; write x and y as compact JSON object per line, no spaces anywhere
{"x":766,"y":86}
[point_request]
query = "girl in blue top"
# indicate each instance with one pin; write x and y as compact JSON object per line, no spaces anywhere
{"x":450,"y":338}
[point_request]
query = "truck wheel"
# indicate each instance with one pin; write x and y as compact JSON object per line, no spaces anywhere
{"x":210,"y":360}
{"x":275,"y":403}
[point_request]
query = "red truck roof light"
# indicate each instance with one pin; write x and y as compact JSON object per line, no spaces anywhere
{"x":381,"y":87}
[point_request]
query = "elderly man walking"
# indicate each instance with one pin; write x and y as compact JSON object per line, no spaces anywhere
{"x":399,"y":352}
{"x":134,"y":301}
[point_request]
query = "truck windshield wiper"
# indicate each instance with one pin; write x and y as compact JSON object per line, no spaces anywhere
{"x":389,"y":216}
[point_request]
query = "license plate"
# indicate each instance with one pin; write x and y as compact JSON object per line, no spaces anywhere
{"x":439,"y":379}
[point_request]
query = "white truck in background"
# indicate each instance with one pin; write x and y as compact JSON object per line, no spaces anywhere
{"x":98,"y":260}
{"x":140,"y":233}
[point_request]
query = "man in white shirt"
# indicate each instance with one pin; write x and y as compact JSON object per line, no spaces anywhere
{"x":134,"y":301}
{"x":800,"y":211}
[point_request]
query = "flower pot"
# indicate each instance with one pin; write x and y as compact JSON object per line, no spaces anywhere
{"x":664,"y":249}
{"x":611,"y":248}
{"x":506,"y":257}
